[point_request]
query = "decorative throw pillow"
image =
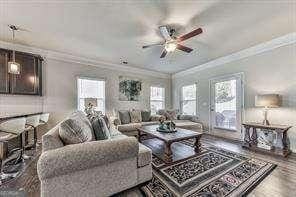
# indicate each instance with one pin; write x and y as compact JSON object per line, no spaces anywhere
{"x":107,"y":122}
{"x":135,"y":116}
{"x":74,"y":131}
{"x":145,"y":116}
{"x":163,"y":113}
{"x":172,"y":114}
{"x":100,"y":128}
{"x":81,"y":115}
{"x":124,"y":117}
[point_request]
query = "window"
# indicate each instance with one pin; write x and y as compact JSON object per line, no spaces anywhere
{"x":157,"y":99}
{"x":188,"y":102}
{"x":91,"y":88}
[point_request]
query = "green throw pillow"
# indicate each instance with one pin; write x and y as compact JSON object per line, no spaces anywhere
{"x":124,"y":117}
{"x":145,"y":116}
{"x":100,"y":128}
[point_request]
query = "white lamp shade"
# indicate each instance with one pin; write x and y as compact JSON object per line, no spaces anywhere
{"x":92,"y":101}
{"x":268,"y":100}
{"x":14,"y":68}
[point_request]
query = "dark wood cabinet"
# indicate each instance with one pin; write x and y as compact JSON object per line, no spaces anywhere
{"x":29,"y":81}
{"x":4,"y":77}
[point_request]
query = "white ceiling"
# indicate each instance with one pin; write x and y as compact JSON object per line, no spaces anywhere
{"x":115,"y":30}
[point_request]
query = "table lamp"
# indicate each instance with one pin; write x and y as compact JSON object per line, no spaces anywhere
{"x":90,"y":104}
{"x":267,"y":101}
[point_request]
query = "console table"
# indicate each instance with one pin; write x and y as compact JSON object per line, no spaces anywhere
{"x":282,"y":141}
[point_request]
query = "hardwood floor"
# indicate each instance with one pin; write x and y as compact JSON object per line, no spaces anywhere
{"x":280,"y":183}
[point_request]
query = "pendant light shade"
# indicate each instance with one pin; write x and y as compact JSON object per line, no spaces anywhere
{"x":13,"y":66}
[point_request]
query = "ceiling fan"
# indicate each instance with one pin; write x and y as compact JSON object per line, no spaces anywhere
{"x":171,"y":42}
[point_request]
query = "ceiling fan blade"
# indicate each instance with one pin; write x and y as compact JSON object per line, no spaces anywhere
{"x":151,"y":45}
{"x":183,"y":48}
{"x":190,"y":34}
{"x":163,"y":53}
{"x":165,"y":32}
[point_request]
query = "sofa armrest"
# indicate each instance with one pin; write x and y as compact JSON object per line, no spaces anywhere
{"x":51,"y":140}
{"x":195,"y":119}
{"x":72,"y":158}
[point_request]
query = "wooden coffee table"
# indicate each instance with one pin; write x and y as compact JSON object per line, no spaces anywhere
{"x":169,"y":138}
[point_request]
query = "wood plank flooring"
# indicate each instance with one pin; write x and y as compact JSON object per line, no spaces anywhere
{"x":280,"y":183}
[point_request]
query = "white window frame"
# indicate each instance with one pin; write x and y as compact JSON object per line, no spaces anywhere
{"x":79,"y":93}
{"x":182,"y":101}
{"x":163,"y":99}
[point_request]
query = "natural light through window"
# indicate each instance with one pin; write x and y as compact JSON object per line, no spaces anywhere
{"x":188,"y":103}
{"x":157,"y":99}
{"x":91,"y":88}
{"x":225,"y":104}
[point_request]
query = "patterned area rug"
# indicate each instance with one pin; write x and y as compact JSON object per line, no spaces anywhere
{"x":213,"y":172}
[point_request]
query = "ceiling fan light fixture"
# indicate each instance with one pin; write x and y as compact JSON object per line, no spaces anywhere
{"x":170,"y":46}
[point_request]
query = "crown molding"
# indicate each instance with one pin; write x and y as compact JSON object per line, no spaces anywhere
{"x":49,"y":54}
{"x":287,"y":39}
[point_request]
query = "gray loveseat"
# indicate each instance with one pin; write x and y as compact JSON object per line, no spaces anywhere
{"x":189,"y":122}
{"x":95,"y":168}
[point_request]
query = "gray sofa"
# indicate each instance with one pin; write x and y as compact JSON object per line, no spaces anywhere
{"x":189,"y":122}
{"x":95,"y":168}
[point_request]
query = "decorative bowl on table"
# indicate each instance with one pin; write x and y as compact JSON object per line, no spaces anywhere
{"x":166,"y":130}
{"x":168,"y":127}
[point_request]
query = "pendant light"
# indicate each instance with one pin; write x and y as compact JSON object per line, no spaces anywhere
{"x":13,"y":66}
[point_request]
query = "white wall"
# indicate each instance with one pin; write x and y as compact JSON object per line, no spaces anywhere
{"x":60,"y":91}
{"x":269,"y":72}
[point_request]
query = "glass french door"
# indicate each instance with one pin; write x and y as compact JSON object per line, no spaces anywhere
{"x":226,"y":102}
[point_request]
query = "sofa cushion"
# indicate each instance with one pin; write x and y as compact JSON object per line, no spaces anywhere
{"x":144,"y":156}
{"x":74,"y":130}
{"x":114,"y":132}
{"x":100,"y":128}
{"x":124,"y":116}
{"x":145,"y":116}
{"x":129,"y":127}
{"x":135,"y":116}
{"x":149,"y":123}
{"x":155,"y":117}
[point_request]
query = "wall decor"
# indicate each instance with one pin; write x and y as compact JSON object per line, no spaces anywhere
{"x":28,"y":81}
{"x":129,"y":89}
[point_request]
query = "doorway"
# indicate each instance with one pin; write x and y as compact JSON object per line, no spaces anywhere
{"x":226,"y":102}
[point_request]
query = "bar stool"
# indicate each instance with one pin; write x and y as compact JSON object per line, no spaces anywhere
{"x":32,"y":122}
{"x":43,"y":120}
{"x":9,"y":129}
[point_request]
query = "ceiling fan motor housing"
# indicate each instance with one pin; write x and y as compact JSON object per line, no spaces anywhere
{"x":172,"y":32}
